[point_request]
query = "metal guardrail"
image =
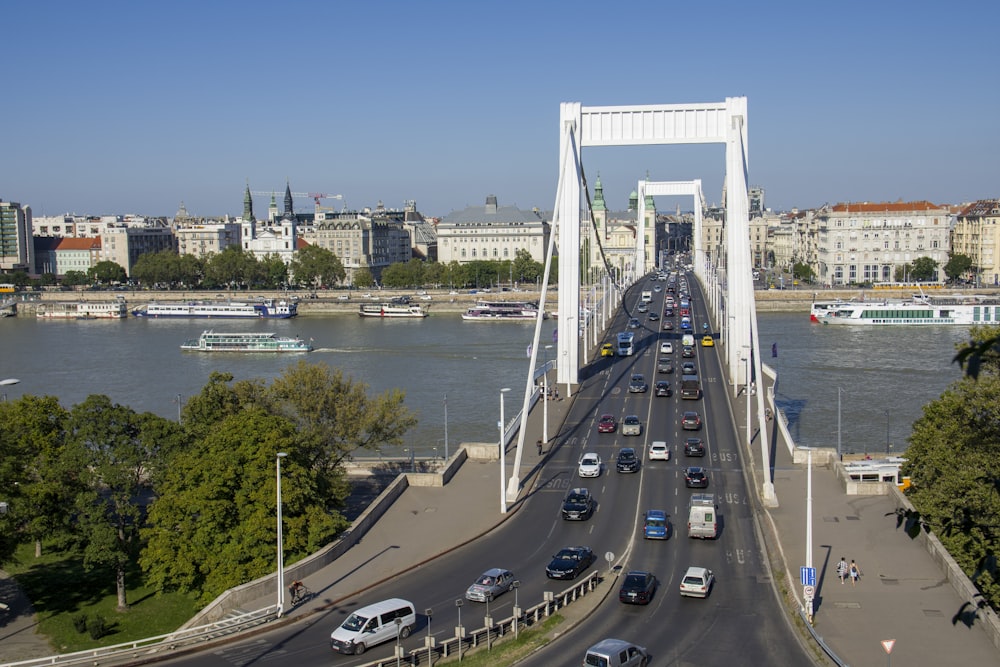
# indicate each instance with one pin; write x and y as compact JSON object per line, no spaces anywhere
{"x":484,"y":636}
{"x":151,"y":645}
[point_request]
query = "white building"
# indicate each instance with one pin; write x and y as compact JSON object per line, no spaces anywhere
{"x":491,"y":233}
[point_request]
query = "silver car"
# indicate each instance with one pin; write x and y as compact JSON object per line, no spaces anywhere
{"x":491,"y":583}
{"x":632,"y":425}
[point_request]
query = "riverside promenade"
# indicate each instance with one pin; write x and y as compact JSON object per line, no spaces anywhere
{"x":902,"y":594}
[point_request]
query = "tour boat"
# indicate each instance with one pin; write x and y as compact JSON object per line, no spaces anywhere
{"x":502,"y":310}
{"x":918,"y":311}
{"x":210,"y":341}
{"x":390,"y":309}
{"x":219,"y":309}
{"x":82,"y":310}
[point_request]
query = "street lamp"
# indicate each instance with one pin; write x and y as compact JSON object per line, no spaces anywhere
{"x":839,"y":450}
{"x":503,"y":456}
{"x":430,"y":641}
{"x":888,"y":447}
{"x":399,"y":652}
{"x":281,"y":554}
{"x":446,"y":427}
{"x":517,"y":608}
{"x":178,"y":408}
{"x":459,"y":631}
{"x":809,"y":526}
{"x":7,"y":382}
{"x":545,"y":397}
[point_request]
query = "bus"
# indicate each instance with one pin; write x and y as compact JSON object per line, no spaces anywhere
{"x":626,"y":344}
{"x":7,"y":288}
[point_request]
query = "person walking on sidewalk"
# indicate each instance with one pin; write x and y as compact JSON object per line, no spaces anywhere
{"x":539,"y":444}
{"x":855,"y":572}
{"x":842,"y":570}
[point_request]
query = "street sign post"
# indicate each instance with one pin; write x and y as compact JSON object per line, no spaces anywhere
{"x":807,"y":575}
{"x":887,"y":645}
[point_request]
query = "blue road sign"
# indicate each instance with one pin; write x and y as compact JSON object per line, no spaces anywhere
{"x":807,"y":575}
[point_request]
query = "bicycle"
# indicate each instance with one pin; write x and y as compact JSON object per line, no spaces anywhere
{"x":300,"y":594}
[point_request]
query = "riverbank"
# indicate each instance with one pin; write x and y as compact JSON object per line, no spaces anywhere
{"x":445,"y":301}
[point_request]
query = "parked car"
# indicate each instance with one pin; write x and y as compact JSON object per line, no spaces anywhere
{"x":578,"y":505}
{"x":570,"y":562}
{"x":491,"y":583}
{"x":631,"y":425}
{"x":607,"y":350}
{"x":663,"y":388}
{"x":697,"y":582}
{"x":694,"y":447}
{"x":637,"y":384}
{"x":696,"y":478}
{"x":655,"y":526}
{"x":691,"y":421}
{"x":627,"y":460}
{"x":637,"y":587}
{"x":607,"y":424}
{"x":590,"y":465}
{"x":658,"y":451}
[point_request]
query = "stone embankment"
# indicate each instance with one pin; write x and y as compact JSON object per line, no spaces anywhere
{"x":797,"y":299}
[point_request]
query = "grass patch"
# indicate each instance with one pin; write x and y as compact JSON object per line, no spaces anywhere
{"x":507,"y":650}
{"x":62,"y":591}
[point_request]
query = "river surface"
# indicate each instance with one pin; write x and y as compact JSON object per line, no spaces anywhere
{"x":885,"y":375}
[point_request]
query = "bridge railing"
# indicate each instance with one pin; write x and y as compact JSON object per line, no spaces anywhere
{"x":484,"y":637}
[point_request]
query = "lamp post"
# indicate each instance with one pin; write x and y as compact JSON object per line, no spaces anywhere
{"x":517,"y":608}
{"x":459,"y":631}
{"x":7,"y":383}
{"x":503,"y":456}
{"x":488,"y":622}
{"x":545,"y":398}
{"x":888,"y":447}
{"x":430,"y":640}
{"x":178,"y":408}
{"x":399,"y":652}
{"x":839,"y":450}
{"x":281,"y":553}
{"x":446,"y":427}
{"x":809,"y":525}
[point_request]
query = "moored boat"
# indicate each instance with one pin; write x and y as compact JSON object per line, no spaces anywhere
{"x":502,"y":310}
{"x":211,"y":341}
{"x":391,"y":309}
{"x":268,"y":309}
{"x":821,"y":309}
{"x":918,"y":311}
{"x":82,"y":310}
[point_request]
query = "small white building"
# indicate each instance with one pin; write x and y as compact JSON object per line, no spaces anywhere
{"x":491,"y":232}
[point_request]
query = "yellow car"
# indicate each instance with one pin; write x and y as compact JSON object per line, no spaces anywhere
{"x":707,"y":341}
{"x":607,"y":350}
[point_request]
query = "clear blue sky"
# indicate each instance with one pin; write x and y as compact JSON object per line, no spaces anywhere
{"x":133,"y":107}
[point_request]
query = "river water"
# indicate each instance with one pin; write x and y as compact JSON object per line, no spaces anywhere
{"x":886,"y":374}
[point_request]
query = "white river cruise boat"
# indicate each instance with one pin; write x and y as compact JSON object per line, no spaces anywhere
{"x":210,"y":341}
{"x":83,"y":310}
{"x":389,"y":309}
{"x":918,"y":311}
{"x":501,"y":310}
{"x":269,"y":309}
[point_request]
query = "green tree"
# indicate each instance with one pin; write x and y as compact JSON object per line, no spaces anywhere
{"x":153,"y":268}
{"x":957,"y":266}
{"x":803,"y":272}
{"x":363,"y":278}
{"x":116,"y":456}
{"x":73,"y":278}
{"x":526,"y":269}
{"x":233,"y":267}
{"x":48,"y":477}
{"x":273,"y":272}
{"x":48,"y":279}
{"x":107,"y":272}
{"x":434,"y":274}
{"x":924,"y":269}
{"x":315,"y":267}
{"x":190,"y":270}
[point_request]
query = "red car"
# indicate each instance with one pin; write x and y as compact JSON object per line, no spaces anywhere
{"x":607,"y":424}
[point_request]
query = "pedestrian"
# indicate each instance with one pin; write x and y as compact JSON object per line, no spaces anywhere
{"x":855,"y":572}
{"x":556,"y":394}
{"x":539,"y":444}
{"x":842,"y":570}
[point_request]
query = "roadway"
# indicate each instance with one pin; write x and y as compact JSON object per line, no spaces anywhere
{"x":741,"y":621}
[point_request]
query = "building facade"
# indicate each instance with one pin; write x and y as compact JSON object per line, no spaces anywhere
{"x":977,"y":236}
{"x":17,"y":251}
{"x":491,"y":232}
{"x":860,"y":243}
{"x":616,"y":233}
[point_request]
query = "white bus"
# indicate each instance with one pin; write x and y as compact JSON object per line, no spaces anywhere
{"x":626,"y":344}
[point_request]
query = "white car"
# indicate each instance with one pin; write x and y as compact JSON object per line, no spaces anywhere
{"x":590,"y":465}
{"x":697,"y":582}
{"x":658,"y":451}
{"x":666,"y":347}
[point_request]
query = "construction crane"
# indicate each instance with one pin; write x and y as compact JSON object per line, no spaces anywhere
{"x":315,"y":196}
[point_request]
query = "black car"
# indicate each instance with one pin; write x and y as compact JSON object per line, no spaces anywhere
{"x":687,"y":351}
{"x":627,"y":460}
{"x":663,"y":388}
{"x":653,"y":316}
{"x":694,"y":447}
{"x":668,"y":312}
{"x":578,"y":505}
{"x":637,"y":385}
{"x":637,"y":587}
{"x":696,"y":478}
{"x":690,"y":421}
{"x":570,"y":562}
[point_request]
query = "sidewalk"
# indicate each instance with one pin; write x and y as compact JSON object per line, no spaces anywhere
{"x":18,"y":639}
{"x":902,"y":594}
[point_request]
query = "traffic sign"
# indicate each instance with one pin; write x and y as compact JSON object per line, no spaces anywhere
{"x":809,"y":592}
{"x":807,"y":575}
{"x":887,"y":644}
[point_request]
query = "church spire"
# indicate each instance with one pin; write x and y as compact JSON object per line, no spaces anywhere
{"x":288,"y":201}
{"x":599,"y":204}
{"x":247,"y":204}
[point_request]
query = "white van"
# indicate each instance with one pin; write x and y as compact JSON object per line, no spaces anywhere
{"x":703,"y":516}
{"x":615,"y":653}
{"x":373,"y":625}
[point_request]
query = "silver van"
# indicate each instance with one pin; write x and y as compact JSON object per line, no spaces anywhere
{"x":615,"y":653}
{"x":373,"y":625}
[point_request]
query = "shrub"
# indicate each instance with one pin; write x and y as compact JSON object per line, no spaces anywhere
{"x":96,"y":626}
{"x":80,"y":622}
